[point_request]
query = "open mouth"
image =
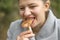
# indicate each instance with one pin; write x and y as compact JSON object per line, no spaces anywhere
{"x":29,"y":21}
{"x":29,"y":18}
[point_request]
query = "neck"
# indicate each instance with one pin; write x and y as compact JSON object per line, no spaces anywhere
{"x":36,"y":29}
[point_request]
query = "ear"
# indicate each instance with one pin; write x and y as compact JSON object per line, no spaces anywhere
{"x":47,"y":5}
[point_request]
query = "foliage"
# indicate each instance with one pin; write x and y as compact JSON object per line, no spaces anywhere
{"x":7,"y":5}
{"x":55,"y":6}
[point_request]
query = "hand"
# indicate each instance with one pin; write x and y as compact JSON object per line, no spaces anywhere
{"x":25,"y":35}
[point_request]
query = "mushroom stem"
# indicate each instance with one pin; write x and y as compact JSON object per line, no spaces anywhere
{"x":30,"y":28}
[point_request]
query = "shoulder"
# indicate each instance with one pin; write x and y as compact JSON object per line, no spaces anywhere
{"x":15,"y":25}
{"x":16,"y":22}
{"x":58,"y":22}
{"x":14,"y":29}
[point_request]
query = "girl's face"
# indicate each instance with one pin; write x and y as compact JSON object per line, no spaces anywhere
{"x":34,"y":9}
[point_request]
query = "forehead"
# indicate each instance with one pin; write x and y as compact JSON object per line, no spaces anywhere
{"x":25,"y":2}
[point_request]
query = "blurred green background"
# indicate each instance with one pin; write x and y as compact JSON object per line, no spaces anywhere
{"x":9,"y":13}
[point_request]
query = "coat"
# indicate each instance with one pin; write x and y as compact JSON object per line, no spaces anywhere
{"x":49,"y":31}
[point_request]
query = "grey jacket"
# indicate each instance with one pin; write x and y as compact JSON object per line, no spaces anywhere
{"x":50,"y":30}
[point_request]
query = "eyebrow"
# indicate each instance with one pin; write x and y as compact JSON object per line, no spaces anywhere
{"x":28,"y":4}
{"x":32,"y":4}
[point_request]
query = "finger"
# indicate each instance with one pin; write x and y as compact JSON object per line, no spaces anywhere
{"x":29,"y":35}
{"x":18,"y":38}
{"x":26,"y":32}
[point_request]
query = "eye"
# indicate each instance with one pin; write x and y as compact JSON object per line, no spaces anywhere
{"x":22,"y":8}
{"x":32,"y":6}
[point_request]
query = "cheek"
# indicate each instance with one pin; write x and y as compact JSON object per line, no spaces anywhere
{"x":36,"y":12}
{"x":21,"y":14}
{"x":39,"y":14}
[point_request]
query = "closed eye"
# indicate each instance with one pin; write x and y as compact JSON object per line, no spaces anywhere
{"x":32,"y":6}
{"x":22,"y":8}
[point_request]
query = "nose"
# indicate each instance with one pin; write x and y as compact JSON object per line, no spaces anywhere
{"x":27,"y":12}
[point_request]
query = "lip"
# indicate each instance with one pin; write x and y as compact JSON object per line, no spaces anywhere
{"x":33,"y":20}
{"x":29,"y":18}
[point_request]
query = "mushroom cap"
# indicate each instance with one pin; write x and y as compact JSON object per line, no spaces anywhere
{"x":27,"y":23}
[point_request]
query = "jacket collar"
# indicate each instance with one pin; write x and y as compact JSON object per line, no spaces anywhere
{"x":48,"y":28}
